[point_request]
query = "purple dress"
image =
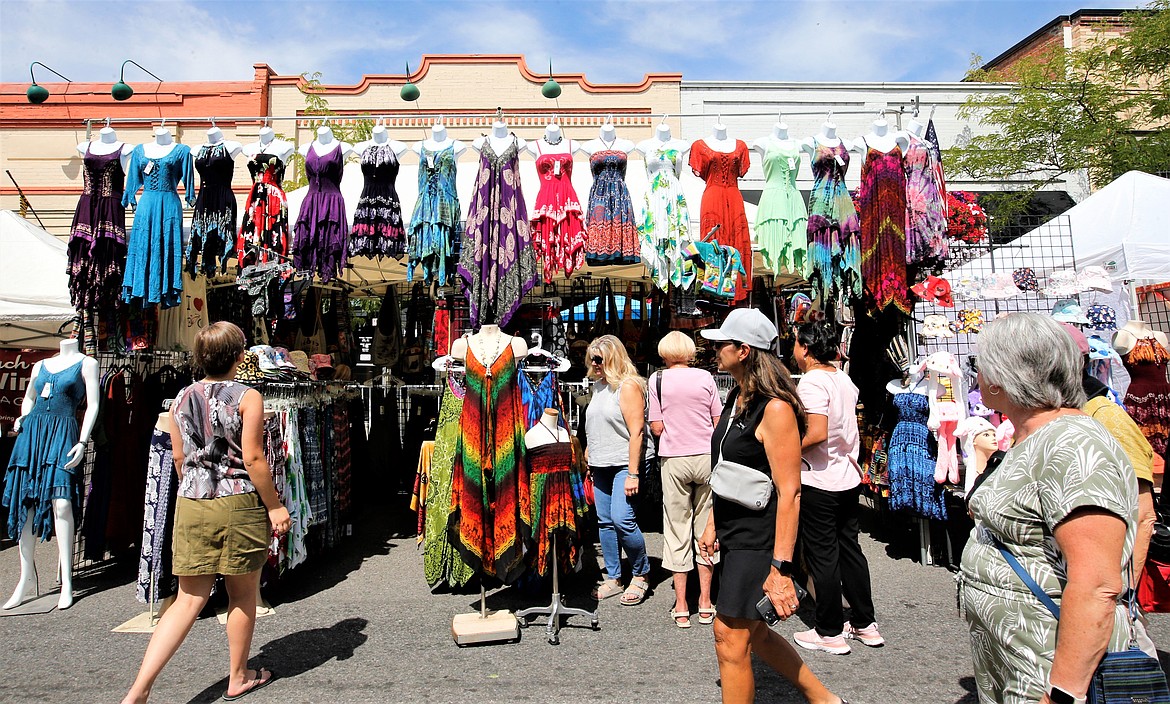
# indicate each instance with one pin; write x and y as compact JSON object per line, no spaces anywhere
{"x":322,"y":231}
{"x":497,"y":265}
{"x":97,"y":238}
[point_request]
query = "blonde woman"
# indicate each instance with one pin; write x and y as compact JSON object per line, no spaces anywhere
{"x":614,"y":427}
{"x":684,"y":410}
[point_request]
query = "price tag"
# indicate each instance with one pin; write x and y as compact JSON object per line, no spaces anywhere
{"x":556,"y":168}
{"x":149,"y":167}
{"x":431,"y":160}
{"x":47,"y":390}
{"x":791,"y":164}
{"x":839,"y":160}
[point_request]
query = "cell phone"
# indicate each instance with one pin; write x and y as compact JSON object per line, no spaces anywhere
{"x":768,"y":611}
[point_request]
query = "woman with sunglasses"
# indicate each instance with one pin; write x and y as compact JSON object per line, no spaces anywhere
{"x":614,"y":428}
{"x":760,"y":427}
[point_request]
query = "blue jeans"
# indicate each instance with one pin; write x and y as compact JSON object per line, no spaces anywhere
{"x":616,"y":524}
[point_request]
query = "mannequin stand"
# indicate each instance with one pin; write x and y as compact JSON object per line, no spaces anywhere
{"x":556,"y":610}
{"x":485,"y":626}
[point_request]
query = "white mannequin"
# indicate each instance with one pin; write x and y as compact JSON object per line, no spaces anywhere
{"x":827,"y":136}
{"x":378,"y":137}
{"x":500,"y":139}
{"x":662,"y":139}
{"x":546,"y":431}
{"x":215,"y":136}
{"x":325,"y":144}
{"x":1134,"y":330}
{"x":779,"y":137}
{"x":880,"y":138}
{"x":438,"y":141}
{"x":62,"y":509}
{"x":163,"y":144}
{"x":607,"y":140}
{"x":554,"y":141}
{"x":719,"y":141}
{"x":107,"y":143}
{"x":487,"y":344}
{"x":916,"y":128}
{"x":269,"y":144}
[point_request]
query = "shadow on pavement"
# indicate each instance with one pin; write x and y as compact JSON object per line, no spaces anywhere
{"x":300,"y":652}
{"x":972,"y":695}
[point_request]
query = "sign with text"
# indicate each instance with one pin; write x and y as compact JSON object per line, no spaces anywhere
{"x":15,"y":370}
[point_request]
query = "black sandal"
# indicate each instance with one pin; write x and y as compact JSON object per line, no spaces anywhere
{"x":257,"y":683}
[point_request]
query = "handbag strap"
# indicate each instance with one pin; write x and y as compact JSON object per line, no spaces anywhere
{"x":1027,"y":579}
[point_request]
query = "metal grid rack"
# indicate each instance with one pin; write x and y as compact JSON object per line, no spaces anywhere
{"x":1154,"y":305}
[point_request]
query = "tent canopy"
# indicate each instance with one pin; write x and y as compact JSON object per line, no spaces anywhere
{"x":34,"y":285}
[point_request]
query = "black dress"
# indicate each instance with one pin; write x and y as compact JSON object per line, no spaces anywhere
{"x":746,"y":537}
{"x":377,"y":222}
{"x":213,"y":223}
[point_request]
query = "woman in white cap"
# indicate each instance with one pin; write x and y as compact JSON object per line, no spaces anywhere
{"x":760,"y":428}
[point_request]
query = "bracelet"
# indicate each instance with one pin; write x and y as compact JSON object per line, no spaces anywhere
{"x":632,"y":476}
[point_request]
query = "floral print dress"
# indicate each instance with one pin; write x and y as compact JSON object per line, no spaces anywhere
{"x":666,"y":222}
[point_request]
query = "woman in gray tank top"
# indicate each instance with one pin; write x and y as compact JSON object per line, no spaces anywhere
{"x":615,"y":428}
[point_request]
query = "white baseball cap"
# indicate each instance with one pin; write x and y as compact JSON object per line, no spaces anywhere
{"x":746,"y":325}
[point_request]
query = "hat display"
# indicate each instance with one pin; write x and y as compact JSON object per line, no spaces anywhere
{"x":1100,"y":348}
{"x":968,"y":320}
{"x":1094,"y":278}
{"x":300,"y":360}
{"x":1061,"y":284}
{"x":283,"y":360}
{"x":248,"y":372}
{"x":746,"y":325}
{"x":321,"y":366}
{"x":1025,"y":279}
{"x":1102,"y":317}
{"x":266,"y":356}
{"x":935,"y":326}
{"x":1000,"y":285}
{"x":936,"y":290}
{"x":1069,"y":311}
{"x":1078,"y":337}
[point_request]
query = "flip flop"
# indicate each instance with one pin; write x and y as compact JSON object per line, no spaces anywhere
{"x":256,"y":683}
{"x":635,"y":593}
{"x":707,"y":616}
{"x":686,"y":615}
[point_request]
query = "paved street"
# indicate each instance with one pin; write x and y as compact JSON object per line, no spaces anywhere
{"x":360,"y":625}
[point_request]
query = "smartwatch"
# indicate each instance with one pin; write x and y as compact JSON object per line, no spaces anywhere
{"x":1059,"y":696}
{"x":785,"y":567}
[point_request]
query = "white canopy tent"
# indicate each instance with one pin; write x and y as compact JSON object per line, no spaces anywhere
{"x":34,"y":285}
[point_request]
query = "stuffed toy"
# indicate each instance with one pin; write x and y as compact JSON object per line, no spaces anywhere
{"x":946,"y":410}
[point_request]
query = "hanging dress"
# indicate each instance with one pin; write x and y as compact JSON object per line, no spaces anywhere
{"x":883,"y":229}
{"x":214,"y":220}
{"x":264,"y":231}
{"x":666,"y":223}
{"x":377,"y":222}
{"x":556,"y":222}
{"x":322,"y":233}
{"x":782,"y":219}
{"x":910,"y":463}
{"x":926,"y":219}
{"x":723,"y":203}
{"x":490,"y":521}
{"x":441,"y":562}
{"x":432,"y":235}
{"x":611,"y":232}
{"x":154,"y":260}
{"x":497,"y":265}
{"x":834,"y":245}
{"x":36,"y":470}
{"x":1148,"y":397}
{"x":555,"y":508}
{"x":97,"y":237}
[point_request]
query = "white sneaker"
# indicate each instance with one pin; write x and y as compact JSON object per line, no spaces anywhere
{"x":868,"y":635}
{"x":811,"y":640}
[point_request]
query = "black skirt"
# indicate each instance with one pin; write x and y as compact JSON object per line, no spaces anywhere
{"x":741,"y":582}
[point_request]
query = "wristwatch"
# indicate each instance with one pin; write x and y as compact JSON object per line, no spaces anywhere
{"x":1059,"y":696}
{"x":785,"y":567}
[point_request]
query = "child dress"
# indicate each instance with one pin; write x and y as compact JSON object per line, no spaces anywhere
{"x":557,"y":231}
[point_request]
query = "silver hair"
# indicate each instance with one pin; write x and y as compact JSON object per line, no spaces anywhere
{"x":1034,"y":360}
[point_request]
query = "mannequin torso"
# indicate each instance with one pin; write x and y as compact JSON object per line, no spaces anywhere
{"x":499,"y":139}
{"x":719,"y":141}
{"x":487,"y":345}
{"x":778,"y":138}
{"x":377,"y":139}
{"x":881,"y":139}
{"x":662,"y":139}
{"x":607,"y":140}
{"x":268,"y":144}
{"x":107,"y":143}
{"x":827,"y":137}
{"x":439,"y":141}
{"x":1134,"y":330}
{"x":325,"y":144}
{"x":163,"y":144}
{"x":554,"y":141}
{"x":546,"y":431}
{"x":215,"y":137}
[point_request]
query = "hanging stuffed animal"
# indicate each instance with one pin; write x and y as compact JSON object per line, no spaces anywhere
{"x":946,"y":388}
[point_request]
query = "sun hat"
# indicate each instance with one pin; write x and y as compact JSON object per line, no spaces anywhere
{"x":967,"y":287}
{"x":1000,"y":285}
{"x":1069,"y":311}
{"x":1100,"y":348}
{"x":1094,"y":278}
{"x":1078,"y":337}
{"x":1025,"y":279}
{"x":936,"y":326}
{"x":1102,"y":317}
{"x":935,"y":290}
{"x":1061,"y":284}
{"x":248,"y":372}
{"x":266,"y":357}
{"x":300,"y":360}
{"x":283,"y":360}
{"x":321,"y":366}
{"x":968,"y":320}
{"x":746,"y":325}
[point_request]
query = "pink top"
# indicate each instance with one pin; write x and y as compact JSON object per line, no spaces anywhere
{"x":833,"y":463}
{"x":689,"y":401}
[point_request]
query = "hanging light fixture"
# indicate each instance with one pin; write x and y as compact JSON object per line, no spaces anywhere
{"x":37,"y":93}
{"x":121,"y":89}
{"x":410,"y":91}
{"x":551,"y":89}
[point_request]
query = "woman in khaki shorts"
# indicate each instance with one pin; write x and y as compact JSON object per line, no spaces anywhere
{"x":684,"y":410}
{"x":226,"y":512}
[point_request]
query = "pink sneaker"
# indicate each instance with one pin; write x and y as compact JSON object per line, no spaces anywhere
{"x":811,"y":640}
{"x":868,"y":635}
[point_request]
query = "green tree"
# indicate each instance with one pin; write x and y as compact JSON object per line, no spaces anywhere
{"x":353,"y":130}
{"x":1103,"y":109}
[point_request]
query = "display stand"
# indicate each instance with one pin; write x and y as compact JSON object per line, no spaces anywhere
{"x":485,"y":626}
{"x":556,"y":610}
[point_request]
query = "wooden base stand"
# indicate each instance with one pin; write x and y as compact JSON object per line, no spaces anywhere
{"x":485,"y":626}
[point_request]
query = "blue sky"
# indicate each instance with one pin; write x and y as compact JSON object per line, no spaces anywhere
{"x":608,"y":40}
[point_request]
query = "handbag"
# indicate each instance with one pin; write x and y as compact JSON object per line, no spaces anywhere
{"x":1122,"y":677}
{"x":740,"y":483}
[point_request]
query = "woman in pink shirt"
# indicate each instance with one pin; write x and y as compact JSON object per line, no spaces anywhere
{"x":830,"y":483}
{"x":684,"y":410}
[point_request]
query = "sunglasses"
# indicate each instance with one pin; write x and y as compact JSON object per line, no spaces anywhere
{"x":597,"y":359}
{"x":720,"y":344}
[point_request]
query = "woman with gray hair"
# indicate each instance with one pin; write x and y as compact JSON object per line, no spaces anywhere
{"x":1063,"y":503}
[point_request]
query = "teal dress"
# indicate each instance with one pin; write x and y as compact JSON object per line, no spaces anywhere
{"x":36,"y":471}
{"x":154,"y":252}
{"x":431,"y":237}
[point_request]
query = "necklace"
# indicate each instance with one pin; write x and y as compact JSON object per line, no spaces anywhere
{"x":609,"y":146}
{"x":552,"y":143}
{"x":501,"y":339}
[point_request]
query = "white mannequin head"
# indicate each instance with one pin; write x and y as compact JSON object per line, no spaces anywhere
{"x":607,"y":133}
{"x":499,"y":129}
{"x":378,"y":134}
{"x":214,"y":134}
{"x":267,"y":134}
{"x":439,"y":130}
{"x":662,"y":132}
{"x":915,"y":127}
{"x":780,"y":130}
{"x":552,"y":132}
{"x":324,"y":134}
{"x":880,"y":126}
{"x":162,"y":134}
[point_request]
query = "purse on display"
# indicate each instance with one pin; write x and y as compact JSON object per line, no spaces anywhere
{"x":740,"y":483}
{"x":1122,"y":677}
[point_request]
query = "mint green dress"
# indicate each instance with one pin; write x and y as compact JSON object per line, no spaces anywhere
{"x":781,"y":217}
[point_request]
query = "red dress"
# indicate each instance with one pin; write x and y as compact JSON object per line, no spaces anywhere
{"x":723,"y":203}
{"x":557,"y":230}
{"x":883,"y":229}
